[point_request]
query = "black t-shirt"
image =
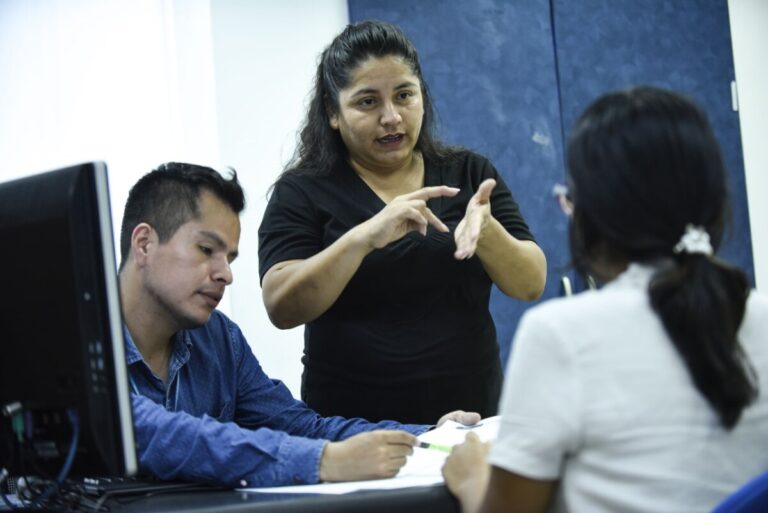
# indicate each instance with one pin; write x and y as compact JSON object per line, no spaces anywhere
{"x":412,"y":314}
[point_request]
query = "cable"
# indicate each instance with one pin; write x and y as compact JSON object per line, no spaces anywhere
{"x":53,"y":487}
{"x":74,"y":420}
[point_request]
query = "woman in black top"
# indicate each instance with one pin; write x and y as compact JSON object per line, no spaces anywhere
{"x":385,"y":243}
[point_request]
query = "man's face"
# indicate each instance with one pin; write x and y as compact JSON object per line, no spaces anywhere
{"x":185,"y":276}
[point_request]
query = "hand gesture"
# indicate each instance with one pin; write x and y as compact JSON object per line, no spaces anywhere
{"x":404,"y":214}
{"x":372,"y":455}
{"x":466,"y":472}
{"x":478,"y":212}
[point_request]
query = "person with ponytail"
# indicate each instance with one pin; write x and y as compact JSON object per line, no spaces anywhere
{"x":648,"y":394}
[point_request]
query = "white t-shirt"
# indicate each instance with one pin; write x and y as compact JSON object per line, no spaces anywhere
{"x":598,"y":398}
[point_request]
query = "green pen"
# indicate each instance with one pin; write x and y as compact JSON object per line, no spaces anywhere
{"x":437,"y":447}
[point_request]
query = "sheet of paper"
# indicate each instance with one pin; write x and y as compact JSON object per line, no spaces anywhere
{"x":423,"y":467}
{"x":428,"y":462}
{"x":352,"y":486}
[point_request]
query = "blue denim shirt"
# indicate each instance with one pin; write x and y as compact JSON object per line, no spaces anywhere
{"x":221,"y":420}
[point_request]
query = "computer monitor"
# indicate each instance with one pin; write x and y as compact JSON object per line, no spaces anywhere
{"x":62,"y":358}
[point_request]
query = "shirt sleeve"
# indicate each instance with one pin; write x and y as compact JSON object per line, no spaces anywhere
{"x":177,"y":445}
{"x":540,"y":402}
{"x":290,"y":228}
{"x":266,"y":402}
{"x":504,"y":208}
{"x":274,"y":440}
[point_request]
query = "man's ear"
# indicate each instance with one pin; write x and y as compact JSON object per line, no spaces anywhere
{"x":143,"y":239}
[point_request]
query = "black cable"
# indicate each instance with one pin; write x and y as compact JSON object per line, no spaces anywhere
{"x":74,"y":421}
{"x":48,"y":492}
{"x":99,"y":503}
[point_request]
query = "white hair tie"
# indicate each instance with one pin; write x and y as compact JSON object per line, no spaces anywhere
{"x":694,"y":240}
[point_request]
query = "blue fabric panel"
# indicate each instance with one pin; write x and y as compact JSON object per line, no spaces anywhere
{"x":490,"y":68}
{"x":493,"y":72}
{"x":684,"y":45}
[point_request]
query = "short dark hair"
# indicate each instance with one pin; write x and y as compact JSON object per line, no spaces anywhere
{"x":320,"y":146}
{"x":643,"y":164}
{"x":167,"y":197}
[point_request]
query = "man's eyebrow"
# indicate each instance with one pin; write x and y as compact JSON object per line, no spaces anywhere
{"x":219,"y":242}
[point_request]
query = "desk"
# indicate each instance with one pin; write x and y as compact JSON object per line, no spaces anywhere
{"x":404,"y":500}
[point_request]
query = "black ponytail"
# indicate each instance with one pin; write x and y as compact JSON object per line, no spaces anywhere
{"x":643,"y":166}
{"x":701,"y":303}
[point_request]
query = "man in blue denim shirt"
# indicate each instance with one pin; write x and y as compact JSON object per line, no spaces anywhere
{"x":203,"y":408}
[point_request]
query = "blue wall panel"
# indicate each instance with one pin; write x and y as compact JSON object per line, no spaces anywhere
{"x":499,"y":71}
{"x":683,"y":45}
{"x":490,"y":68}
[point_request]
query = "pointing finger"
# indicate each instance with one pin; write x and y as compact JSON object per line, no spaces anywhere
{"x":436,"y":191}
{"x":435,"y":221}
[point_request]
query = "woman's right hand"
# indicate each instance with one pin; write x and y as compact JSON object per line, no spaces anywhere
{"x":404,"y":214}
{"x":298,"y":291}
{"x":466,"y":472}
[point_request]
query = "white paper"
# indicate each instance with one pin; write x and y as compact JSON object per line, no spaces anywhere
{"x":423,"y":467}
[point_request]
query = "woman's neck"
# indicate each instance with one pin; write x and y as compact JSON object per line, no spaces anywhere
{"x":388,"y":184}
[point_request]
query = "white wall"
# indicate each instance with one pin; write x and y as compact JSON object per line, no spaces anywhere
{"x":87,"y":80}
{"x":133,"y":83}
{"x":749,"y":35}
{"x":265,"y":60}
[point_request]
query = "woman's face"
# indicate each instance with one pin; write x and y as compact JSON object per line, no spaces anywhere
{"x":380,"y":114}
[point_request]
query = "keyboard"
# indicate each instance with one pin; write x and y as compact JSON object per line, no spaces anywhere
{"x":131,"y":486}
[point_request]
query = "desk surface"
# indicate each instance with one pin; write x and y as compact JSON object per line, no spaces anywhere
{"x":404,"y":500}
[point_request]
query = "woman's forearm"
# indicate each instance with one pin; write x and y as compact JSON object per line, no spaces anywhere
{"x":518,"y":268}
{"x":299,"y":291}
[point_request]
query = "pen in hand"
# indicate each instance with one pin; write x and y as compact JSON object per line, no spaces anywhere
{"x":437,"y":447}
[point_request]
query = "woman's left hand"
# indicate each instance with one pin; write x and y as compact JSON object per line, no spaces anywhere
{"x":468,"y":231}
{"x":466,"y":472}
{"x":467,"y":418}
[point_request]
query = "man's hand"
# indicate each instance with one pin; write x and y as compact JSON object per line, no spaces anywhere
{"x":373,"y":455}
{"x":468,"y":418}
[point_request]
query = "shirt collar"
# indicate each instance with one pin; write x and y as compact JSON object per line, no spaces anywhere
{"x":182,"y":342}
{"x":132,"y":354}
{"x":636,"y":276}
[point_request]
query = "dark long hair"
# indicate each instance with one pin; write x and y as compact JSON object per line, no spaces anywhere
{"x":320,"y":147}
{"x":643,"y":164}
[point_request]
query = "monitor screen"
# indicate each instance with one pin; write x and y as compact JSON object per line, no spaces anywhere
{"x":62,"y":360}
